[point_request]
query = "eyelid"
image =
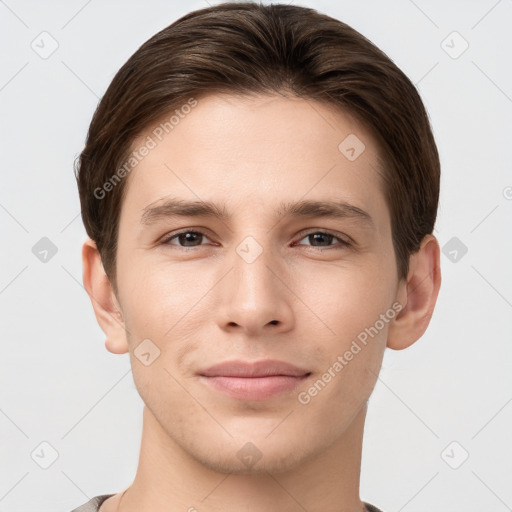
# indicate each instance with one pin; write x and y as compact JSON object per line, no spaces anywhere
{"x":344,"y":240}
{"x":166,"y":239}
{"x":310,"y":231}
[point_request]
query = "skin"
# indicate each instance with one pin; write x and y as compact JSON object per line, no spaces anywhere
{"x":201,"y":303}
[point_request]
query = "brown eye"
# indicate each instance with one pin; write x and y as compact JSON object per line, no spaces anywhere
{"x":186,"y":239}
{"x":324,"y":239}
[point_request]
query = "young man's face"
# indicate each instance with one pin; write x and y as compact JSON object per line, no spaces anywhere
{"x":256,"y":285}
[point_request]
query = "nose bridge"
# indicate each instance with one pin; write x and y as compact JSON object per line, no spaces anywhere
{"x":253,"y":296}
{"x":254,"y":281}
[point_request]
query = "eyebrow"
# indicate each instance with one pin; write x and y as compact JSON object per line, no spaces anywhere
{"x":174,"y":207}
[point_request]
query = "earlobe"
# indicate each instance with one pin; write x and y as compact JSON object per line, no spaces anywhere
{"x":106,"y":307}
{"x":418,"y":295}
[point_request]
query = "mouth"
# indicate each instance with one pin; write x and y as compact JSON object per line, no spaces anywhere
{"x":259,"y":380}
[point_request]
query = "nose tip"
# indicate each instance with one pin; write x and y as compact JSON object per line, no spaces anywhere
{"x":257,"y":300}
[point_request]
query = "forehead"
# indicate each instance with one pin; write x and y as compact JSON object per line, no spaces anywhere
{"x":256,"y":150}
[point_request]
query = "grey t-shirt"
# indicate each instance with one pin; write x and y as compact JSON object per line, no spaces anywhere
{"x":94,"y":504}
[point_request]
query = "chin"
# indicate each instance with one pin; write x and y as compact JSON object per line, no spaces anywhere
{"x":269,"y":463}
{"x":259,"y":456}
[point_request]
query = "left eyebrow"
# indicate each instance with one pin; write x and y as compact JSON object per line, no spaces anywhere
{"x":174,"y":207}
{"x":333,"y":209}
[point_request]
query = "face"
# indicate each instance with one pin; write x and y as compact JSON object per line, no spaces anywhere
{"x":263,"y":281}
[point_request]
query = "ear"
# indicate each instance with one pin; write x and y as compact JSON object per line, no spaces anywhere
{"x":104,"y":302}
{"x":417,"y":294}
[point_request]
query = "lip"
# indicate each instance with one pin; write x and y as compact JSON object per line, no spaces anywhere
{"x":256,"y":380}
{"x":262,"y":368}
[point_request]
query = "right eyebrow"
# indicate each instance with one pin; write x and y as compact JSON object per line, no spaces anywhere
{"x":173,"y":207}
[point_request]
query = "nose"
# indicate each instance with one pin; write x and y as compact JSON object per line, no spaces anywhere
{"x":256,"y":299}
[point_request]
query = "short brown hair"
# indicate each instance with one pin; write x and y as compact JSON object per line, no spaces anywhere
{"x":245,"y":48}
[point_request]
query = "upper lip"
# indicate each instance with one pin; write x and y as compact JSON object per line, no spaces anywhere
{"x":264,"y":368}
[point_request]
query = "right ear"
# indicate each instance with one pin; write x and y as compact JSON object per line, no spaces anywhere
{"x":104,"y":302}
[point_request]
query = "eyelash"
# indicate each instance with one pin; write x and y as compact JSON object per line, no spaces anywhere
{"x":342,"y":243}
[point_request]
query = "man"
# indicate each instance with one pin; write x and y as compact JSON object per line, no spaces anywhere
{"x":260,"y":186}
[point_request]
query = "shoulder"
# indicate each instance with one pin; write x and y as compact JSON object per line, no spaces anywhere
{"x":372,"y":508}
{"x":93,"y":504}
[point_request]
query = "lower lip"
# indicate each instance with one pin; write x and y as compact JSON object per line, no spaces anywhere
{"x":254,"y":388}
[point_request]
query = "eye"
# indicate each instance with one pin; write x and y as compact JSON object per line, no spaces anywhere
{"x":324,"y":239}
{"x":318,"y":239}
{"x":187,"y":238}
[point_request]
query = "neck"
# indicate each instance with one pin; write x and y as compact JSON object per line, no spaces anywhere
{"x":169,"y":479}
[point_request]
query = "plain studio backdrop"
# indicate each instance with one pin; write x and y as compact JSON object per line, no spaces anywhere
{"x":438,"y":430}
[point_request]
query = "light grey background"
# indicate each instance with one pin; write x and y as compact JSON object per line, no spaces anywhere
{"x":60,"y":385}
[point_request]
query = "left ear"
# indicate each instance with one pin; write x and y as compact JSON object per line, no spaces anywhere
{"x":417,"y":295}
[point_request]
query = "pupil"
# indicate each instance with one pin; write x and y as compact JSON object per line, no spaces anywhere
{"x":188,"y":237}
{"x":317,"y":237}
{"x":322,"y":235}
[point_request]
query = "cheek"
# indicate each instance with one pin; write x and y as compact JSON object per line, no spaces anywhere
{"x":157,"y":295}
{"x":170,"y":306}
{"x":349,"y":360}
{"x":350,"y":313}
{"x":345,"y":299}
